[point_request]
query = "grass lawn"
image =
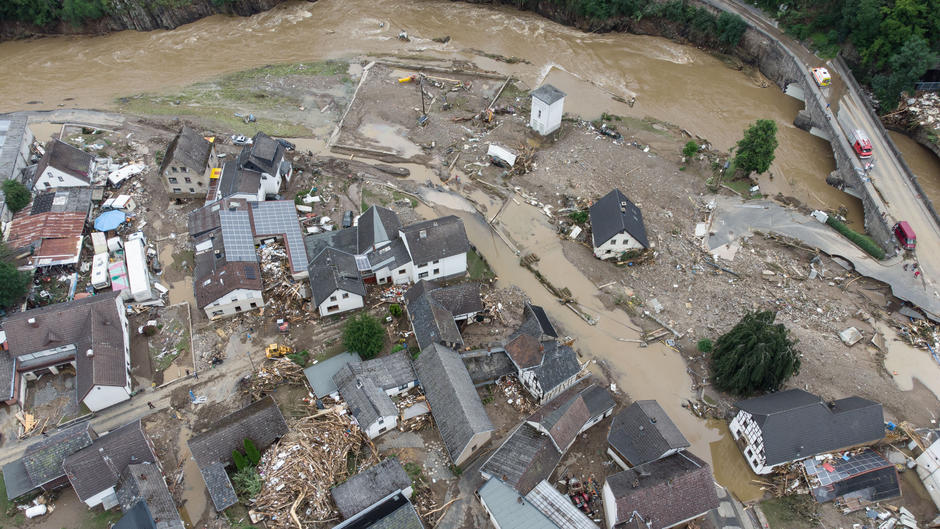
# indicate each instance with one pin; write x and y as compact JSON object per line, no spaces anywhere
{"x":479,"y":270}
{"x":790,"y":512}
{"x":7,"y":506}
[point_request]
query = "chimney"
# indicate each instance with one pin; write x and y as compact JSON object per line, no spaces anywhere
{"x":423,"y":234}
{"x":218,"y":254}
{"x":89,"y":353}
{"x":653,"y":420}
{"x":32,"y":322}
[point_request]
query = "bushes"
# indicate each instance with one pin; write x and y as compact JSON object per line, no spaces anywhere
{"x":247,"y":483}
{"x":395,"y":310}
{"x":580,"y":216}
{"x":241,"y":462}
{"x":690,"y":149}
{"x":17,"y":196}
{"x":861,"y":240}
{"x":251,"y":451}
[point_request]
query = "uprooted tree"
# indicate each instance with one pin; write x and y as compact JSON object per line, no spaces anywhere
{"x":364,"y":334}
{"x":754,"y":356}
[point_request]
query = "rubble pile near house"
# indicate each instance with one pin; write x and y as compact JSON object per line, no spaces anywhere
{"x":271,"y":374}
{"x":299,"y":470}
{"x":413,"y":397}
{"x":923,"y":110}
{"x":284,"y":297}
{"x":501,"y":315}
{"x":516,"y":395}
{"x":923,"y":334}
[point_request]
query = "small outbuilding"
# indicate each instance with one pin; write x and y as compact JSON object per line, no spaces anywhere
{"x":548,"y":105}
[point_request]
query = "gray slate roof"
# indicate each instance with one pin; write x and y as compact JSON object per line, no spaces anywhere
{"x":666,"y":491}
{"x":535,"y":323}
{"x":369,"y":486}
{"x":16,"y":480}
{"x":548,"y":94}
{"x":796,"y":424}
{"x":643,"y":433}
{"x":320,"y":375}
{"x":443,"y":237}
{"x":525,"y":458}
{"x":43,"y":460}
{"x":392,"y":512}
{"x":260,"y":421}
{"x":343,"y":240}
{"x":392,"y":256}
{"x":455,"y":404}
{"x":377,"y":225}
{"x":188,"y":148}
{"x":144,"y":482}
{"x":613,"y":214}
{"x":551,"y":362}
{"x":566,"y":414}
{"x":12,"y":131}
{"x":65,"y":158}
{"x":510,"y":509}
{"x":363,"y":385}
{"x":334,"y":270}
{"x":138,"y":517}
{"x":431,"y":320}
{"x":65,"y":200}
{"x":98,"y":467}
{"x":7,"y":375}
{"x":235,"y":180}
{"x":263,"y":155}
{"x":215,"y":276}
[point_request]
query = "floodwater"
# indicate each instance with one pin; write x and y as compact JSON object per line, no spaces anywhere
{"x":923,"y":163}
{"x":905,"y":362}
{"x":671,"y":82}
{"x":729,"y":466}
{"x":195,"y":501}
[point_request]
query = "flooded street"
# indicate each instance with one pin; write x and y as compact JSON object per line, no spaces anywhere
{"x":923,"y":163}
{"x":905,"y":363}
{"x":671,"y":82}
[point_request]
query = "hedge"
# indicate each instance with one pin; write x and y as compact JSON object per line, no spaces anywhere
{"x":861,"y":240}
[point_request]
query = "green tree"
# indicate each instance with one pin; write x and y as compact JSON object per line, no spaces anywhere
{"x":364,"y":334}
{"x":252,"y":452}
{"x":904,"y":68}
{"x":756,"y":355}
{"x":731,"y":28}
{"x":13,"y":283}
{"x":756,"y":148}
{"x":77,"y":12}
{"x":690,"y":149}
{"x":247,"y":483}
{"x":395,"y":310}
{"x":17,"y":196}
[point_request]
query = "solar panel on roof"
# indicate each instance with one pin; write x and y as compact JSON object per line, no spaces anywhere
{"x":237,"y":238}
{"x":250,"y":272}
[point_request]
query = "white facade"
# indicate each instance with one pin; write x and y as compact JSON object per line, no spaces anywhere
{"x":624,"y":465}
{"x":610,"y":505}
{"x":616,"y":246}
{"x":534,"y":387}
{"x":399,"y":276}
{"x":928,"y":469}
{"x":453,"y":266}
{"x":380,"y":426}
{"x":538,"y":426}
{"x":270,"y":186}
{"x":108,"y":497}
{"x":545,"y":118}
{"x":747,"y":432}
{"x":238,"y":300}
{"x":340,"y":301}
{"x":52,"y":178}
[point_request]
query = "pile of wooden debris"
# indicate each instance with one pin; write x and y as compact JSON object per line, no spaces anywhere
{"x":270,"y":374}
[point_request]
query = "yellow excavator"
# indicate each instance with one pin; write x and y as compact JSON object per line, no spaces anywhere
{"x":276,"y":351}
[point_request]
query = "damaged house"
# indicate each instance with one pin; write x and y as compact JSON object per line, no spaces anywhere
{"x":146,"y":500}
{"x":188,"y":165}
{"x":15,"y":141}
{"x":616,"y":226}
{"x":435,"y":311}
{"x":63,"y":166}
{"x":544,"y":366}
{"x":257,"y":173}
{"x":335,"y":283}
{"x":40,"y":468}
{"x":854,"y":479}
{"x":91,"y":335}
{"x":643,"y":433}
{"x":50,"y":230}
{"x":792,"y":425}
{"x":543,"y":507}
{"x":260,"y":421}
{"x":369,"y":486}
{"x":368,"y":388}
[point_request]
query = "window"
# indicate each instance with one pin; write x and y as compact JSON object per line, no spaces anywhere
{"x":172,"y":179}
{"x":610,"y":251}
{"x":540,"y":113}
{"x":254,"y":305}
{"x":331,"y":308}
{"x":437,"y":271}
{"x":177,"y":190}
{"x":217,"y":313}
{"x":422,"y":275}
{"x":189,"y":180}
{"x":200,"y":183}
{"x":332,"y":298}
{"x":381,"y":420}
{"x":382,"y":429}
{"x":403,"y":387}
{"x":192,"y":190}
{"x":401,"y":272}
{"x":61,"y":179}
{"x":345,"y":295}
{"x":175,"y":170}
{"x":435,"y":262}
{"x":238,"y":308}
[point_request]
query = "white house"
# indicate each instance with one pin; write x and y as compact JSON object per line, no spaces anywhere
{"x":548,"y":105}
{"x":335,"y":283}
{"x":64,"y":166}
{"x":438,"y":248}
{"x":792,"y":425}
{"x":367,"y":388}
{"x":224,"y":287}
{"x":928,"y":469}
{"x":616,"y":226}
{"x":90,"y":335}
{"x":244,"y":184}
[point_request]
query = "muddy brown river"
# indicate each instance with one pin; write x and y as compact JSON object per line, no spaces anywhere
{"x":671,"y":82}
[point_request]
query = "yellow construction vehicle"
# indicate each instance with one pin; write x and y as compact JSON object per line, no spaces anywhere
{"x":276,"y":351}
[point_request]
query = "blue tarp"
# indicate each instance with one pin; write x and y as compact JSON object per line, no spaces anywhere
{"x":110,"y":220}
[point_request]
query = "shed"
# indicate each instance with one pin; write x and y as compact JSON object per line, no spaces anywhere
{"x":548,"y":106}
{"x":320,"y":375}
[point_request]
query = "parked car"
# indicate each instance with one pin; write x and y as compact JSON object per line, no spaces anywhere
{"x":347,"y":218}
{"x":287,"y":145}
{"x":238,"y":139}
{"x":905,"y":235}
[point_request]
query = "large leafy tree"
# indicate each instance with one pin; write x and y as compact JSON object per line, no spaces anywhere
{"x":904,"y":68}
{"x":364,"y":334}
{"x":756,"y":148}
{"x":13,"y":284}
{"x":16,"y":194}
{"x":754,"y":356}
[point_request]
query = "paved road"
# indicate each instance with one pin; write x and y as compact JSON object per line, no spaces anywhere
{"x":734,"y":217}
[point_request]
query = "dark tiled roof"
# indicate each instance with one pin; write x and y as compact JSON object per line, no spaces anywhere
{"x":487,"y":366}
{"x":97,"y":467}
{"x":664,"y":492}
{"x":525,"y":458}
{"x":431,"y":320}
{"x":214,"y":276}
{"x":392,"y":512}
{"x":138,"y":517}
{"x":643,"y":433}
{"x":453,"y":400}
{"x":796,"y":424}
{"x":7,"y":374}
{"x":205,"y":219}
{"x":363,"y":385}
{"x":390,"y":371}
{"x":11,"y":139}
{"x":334,"y":270}
{"x":67,"y":200}
{"x":65,"y":158}
{"x":559,"y":364}
{"x":392,"y":256}
{"x":545,"y":325}
{"x":525,"y":350}
{"x":444,"y":237}
{"x":377,"y":225}
{"x":260,"y":421}
{"x":598,"y":400}
{"x":369,"y":486}
{"x":263,"y":155}
{"x":144,"y":482}
{"x":614,"y":213}
{"x":16,"y":479}
{"x":43,"y":460}
{"x":547,"y":94}
{"x":89,"y":323}
{"x":188,"y":148}
{"x":343,"y":240}
{"x":234,"y":180}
